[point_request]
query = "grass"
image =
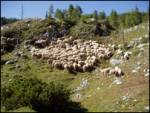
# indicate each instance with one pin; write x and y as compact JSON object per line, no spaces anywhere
{"x":101,"y":94}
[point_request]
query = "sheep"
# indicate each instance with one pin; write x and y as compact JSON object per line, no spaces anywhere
{"x":112,"y":71}
{"x":105,"y":71}
{"x":118,"y":72}
{"x":73,"y":55}
{"x":126,"y":55}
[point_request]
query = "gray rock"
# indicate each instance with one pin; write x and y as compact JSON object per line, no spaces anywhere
{"x":17,"y":66}
{"x":134,"y":71}
{"x":146,"y":108}
{"x":84,"y":83}
{"x":147,"y":74}
{"x":118,"y":81}
{"x":115,"y":62}
{"x":10,"y":62}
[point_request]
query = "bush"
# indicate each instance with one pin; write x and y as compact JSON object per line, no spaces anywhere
{"x":135,"y":51}
{"x":35,"y":94}
{"x":11,"y":33}
{"x":145,"y":40}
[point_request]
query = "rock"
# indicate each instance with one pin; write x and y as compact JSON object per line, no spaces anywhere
{"x":139,"y":54}
{"x":78,"y":96}
{"x":17,"y":66}
{"x":137,"y":68}
{"x":10,"y":62}
{"x":98,"y":88}
{"x":3,"y":61}
{"x":125,"y":98}
{"x":118,"y":81}
{"x":147,"y":74}
{"x":134,"y":71}
{"x":115,"y":62}
{"x":138,"y":63}
{"x":146,"y":108}
{"x":141,"y":45}
{"x":84,"y":83}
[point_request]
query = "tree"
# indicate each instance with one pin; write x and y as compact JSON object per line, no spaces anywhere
{"x":59,"y":14}
{"x":70,"y":11}
{"x":133,"y":18}
{"x":46,"y":16}
{"x":102,"y":15}
{"x":95,"y":15}
{"x":21,"y":12}
{"x":79,"y":9}
{"x":136,"y":16}
{"x":65,"y":14}
{"x":74,"y":13}
{"x":51,"y":11}
{"x":113,"y":19}
{"x":122,"y":20}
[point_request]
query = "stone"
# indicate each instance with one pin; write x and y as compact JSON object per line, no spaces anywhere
{"x":78,"y":96}
{"x":147,"y":74}
{"x":98,"y":88}
{"x":137,"y":68}
{"x":10,"y":62}
{"x":115,"y":62}
{"x":118,"y":81}
{"x":134,"y":71}
{"x":84,"y":83}
{"x":17,"y":66}
{"x":146,"y":108}
{"x":138,"y":63}
{"x":125,"y":98}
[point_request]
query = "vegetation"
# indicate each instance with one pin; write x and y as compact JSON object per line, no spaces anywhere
{"x":5,"y":20}
{"x":34,"y":86}
{"x":36,"y":94}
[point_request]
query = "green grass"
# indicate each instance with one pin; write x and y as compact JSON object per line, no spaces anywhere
{"x":108,"y":97}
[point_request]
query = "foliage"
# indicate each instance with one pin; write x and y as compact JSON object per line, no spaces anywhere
{"x":35,"y":94}
{"x":59,"y":14}
{"x":102,"y":15}
{"x":51,"y":11}
{"x":95,"y":15}
{"x":5,"y":20}
{"x":113,"y":19}
{"x":11,"y":33}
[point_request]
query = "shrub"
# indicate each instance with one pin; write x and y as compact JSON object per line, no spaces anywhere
{"x":11,"y":33}
{"x":145,"y":40}
{"x":35,"y":94}
{"x":135,"y":51}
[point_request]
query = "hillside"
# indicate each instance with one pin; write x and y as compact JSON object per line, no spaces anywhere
{"x":30,"y":54}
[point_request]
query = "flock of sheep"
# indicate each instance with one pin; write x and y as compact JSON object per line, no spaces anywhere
{"x":75,"y":55}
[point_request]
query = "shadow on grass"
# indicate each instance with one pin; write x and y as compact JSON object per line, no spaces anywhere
{"x":67,"y":107}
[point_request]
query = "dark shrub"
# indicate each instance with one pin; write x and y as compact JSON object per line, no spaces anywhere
{"x":36,"y":94}
{"x":11,"y":33}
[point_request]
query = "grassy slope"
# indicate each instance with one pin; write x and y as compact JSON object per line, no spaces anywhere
{"x":108,"y":97}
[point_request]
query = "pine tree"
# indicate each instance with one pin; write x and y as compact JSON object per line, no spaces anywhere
{"x":65,"y":14}
{"x":51,"y":11}
{"x":59,"y":14}
{"x":95,"y":15}
{"x":70,"y":11}
{"x":102,"y":15}
{"x":79,"y":9}
{"x":113,"y":19}
{"x":46,"y":16}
